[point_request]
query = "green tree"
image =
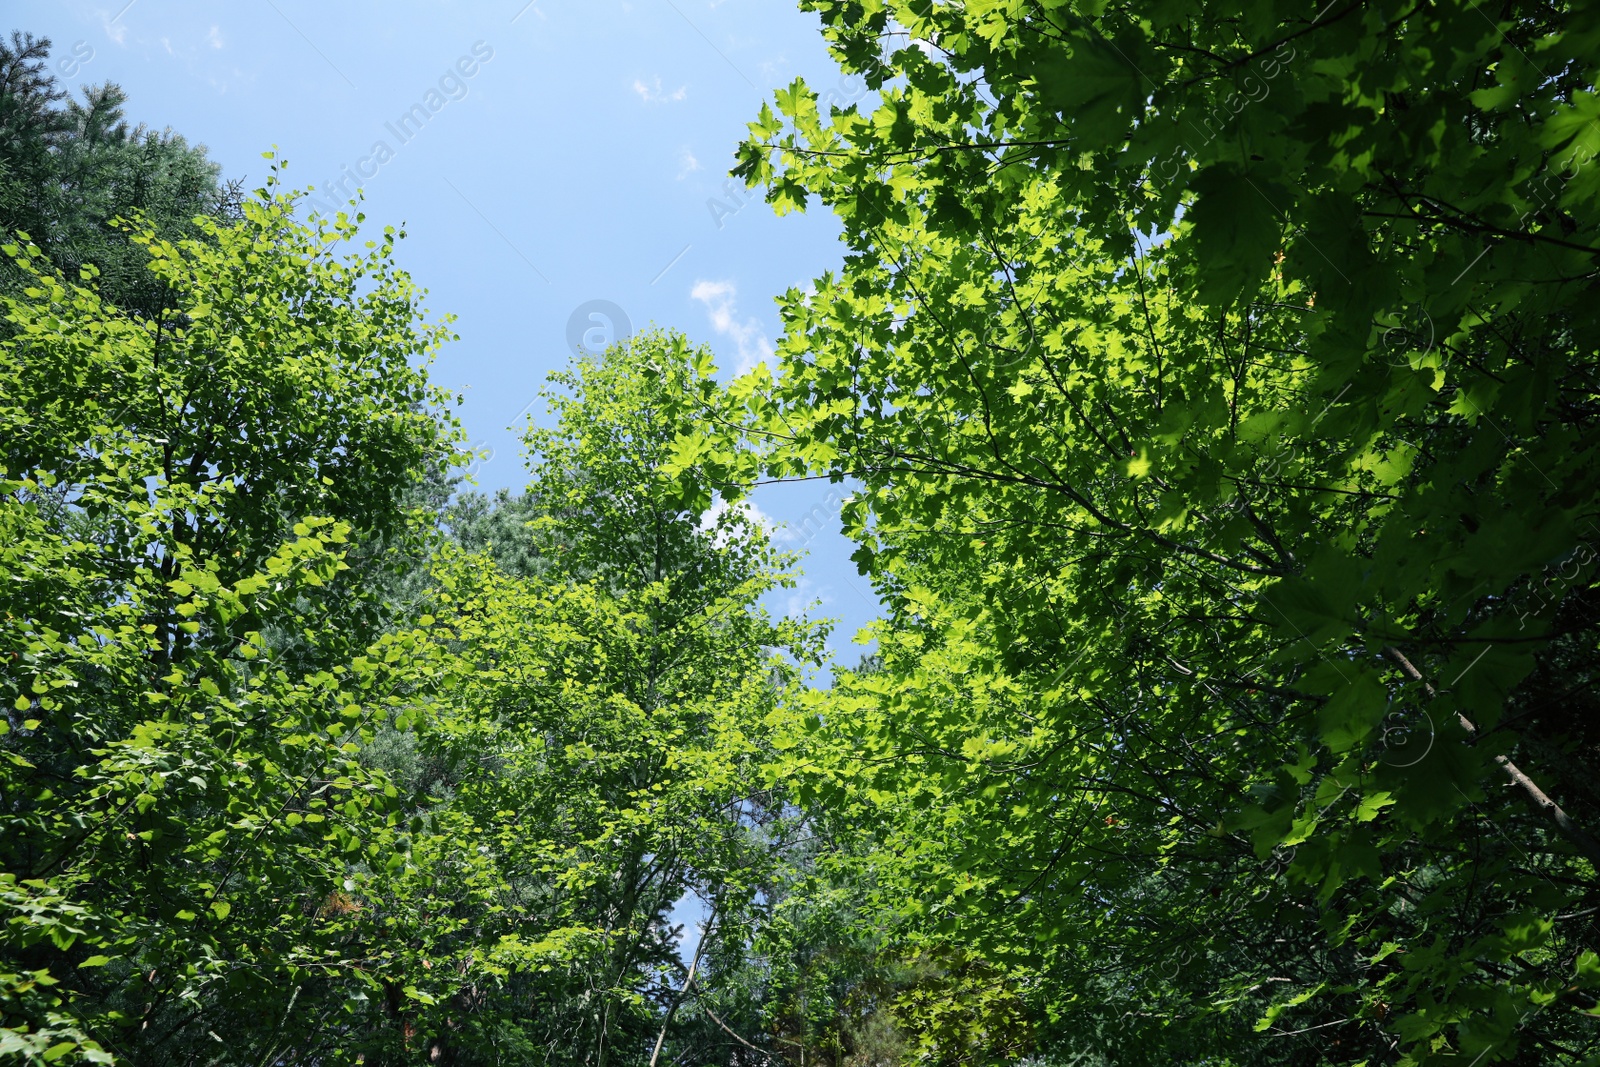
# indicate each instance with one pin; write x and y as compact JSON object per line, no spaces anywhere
{"x":595,"y":715}
{"x":183,"y":800}
{"x":69,"y":170}
{"x":1218,"y":385}
{"x":499,"y":527}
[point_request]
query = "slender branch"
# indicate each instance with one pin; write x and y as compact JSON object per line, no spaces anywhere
{"x":672,"y":1009}
{"x":729,"y":1031}
{"x":1539,"y":798}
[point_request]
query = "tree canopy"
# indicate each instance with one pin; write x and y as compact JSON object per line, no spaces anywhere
{"x":1218,"y":386}
{"x":69,"y":169}
{"x":1214,"y":386}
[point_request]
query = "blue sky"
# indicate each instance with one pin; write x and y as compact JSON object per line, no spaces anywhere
{"x":553,"y":162}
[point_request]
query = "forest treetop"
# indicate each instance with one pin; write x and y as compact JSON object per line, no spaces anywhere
{"x":1216,"y":386}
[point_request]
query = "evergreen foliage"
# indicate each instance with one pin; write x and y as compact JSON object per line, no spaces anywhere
{"x":70,"y":169}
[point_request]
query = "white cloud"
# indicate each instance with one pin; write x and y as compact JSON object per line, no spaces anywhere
{"x":805,"y":597}
{"x":654,"y":94}
{"x":773,"y":68}
{"x":215,"y":37}
{"x":751,"y":513}
{"x":687,"y":164}
{"x":748,"y":334}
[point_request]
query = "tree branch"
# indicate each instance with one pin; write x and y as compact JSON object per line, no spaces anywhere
{"x":1538,"y":797}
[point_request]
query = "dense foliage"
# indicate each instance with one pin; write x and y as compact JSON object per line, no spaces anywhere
{"x":70,"y":169}
{"x":1220,"y":386}
{"x":183,"y":635}
{"x":1215,"y":388}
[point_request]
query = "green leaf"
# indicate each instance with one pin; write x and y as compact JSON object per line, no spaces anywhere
{"x":1237,"y":219}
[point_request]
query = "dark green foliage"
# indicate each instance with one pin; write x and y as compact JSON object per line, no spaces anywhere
{"x":69,"y":169}
{"x":500,"y":527}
